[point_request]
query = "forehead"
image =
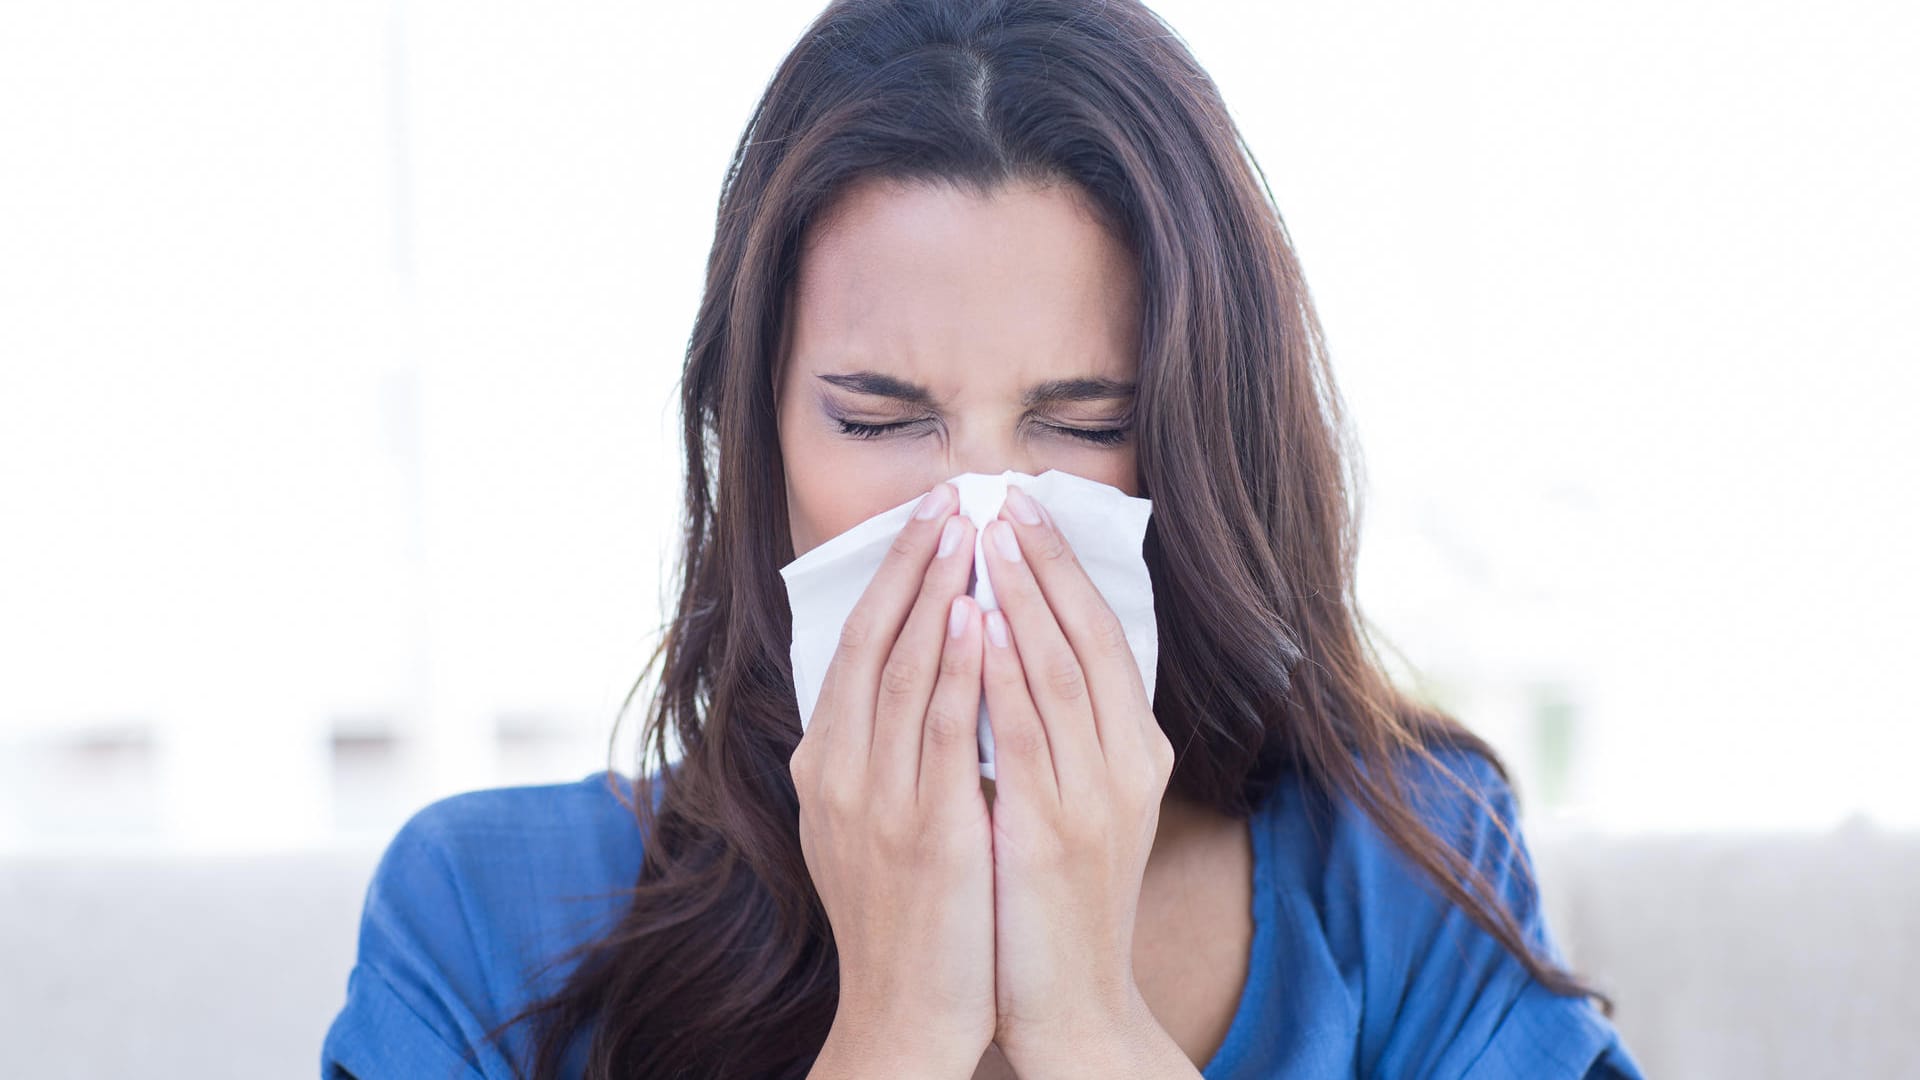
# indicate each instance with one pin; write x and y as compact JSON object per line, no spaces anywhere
{"x":949,"y":287}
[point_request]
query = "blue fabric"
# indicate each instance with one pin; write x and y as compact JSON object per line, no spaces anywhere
{"x":1359,"y":965}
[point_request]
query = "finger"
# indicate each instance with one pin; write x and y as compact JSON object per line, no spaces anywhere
{"x":1053,"y":673}
{"x":949,"y":764}
{"x":1023,"y":762}
{"x":1098,"y":637}
{"x":914,"y":664}
{"x":850,"y":685}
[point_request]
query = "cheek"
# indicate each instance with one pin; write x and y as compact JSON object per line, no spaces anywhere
{"x":834,"y":484}
{"x":1116,"y":468}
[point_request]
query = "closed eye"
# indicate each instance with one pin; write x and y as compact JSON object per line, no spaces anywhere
{"x":1097,"y":436}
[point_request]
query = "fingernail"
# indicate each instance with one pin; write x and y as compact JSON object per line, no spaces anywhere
{"x":1022,"y":505}
{"x":949,"y":536}
{"x":957,"y":621}
{"x":997,"y":628}
{"x":1003,"y":536}
{"x":932,"y":503}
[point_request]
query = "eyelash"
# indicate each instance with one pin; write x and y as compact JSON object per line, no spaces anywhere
{"x":1096,"y":436}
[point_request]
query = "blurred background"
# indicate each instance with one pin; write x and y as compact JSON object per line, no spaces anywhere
{"x":338,"y":350}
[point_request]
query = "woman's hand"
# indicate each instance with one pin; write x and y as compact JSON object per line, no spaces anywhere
{"x":1080,"y":767}
{"x":893,"y":824}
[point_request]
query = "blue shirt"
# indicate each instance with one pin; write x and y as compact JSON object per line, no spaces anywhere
{"x":1359,"y":967}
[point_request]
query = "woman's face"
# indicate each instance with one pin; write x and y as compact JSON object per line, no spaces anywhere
{"x":998,"y":334}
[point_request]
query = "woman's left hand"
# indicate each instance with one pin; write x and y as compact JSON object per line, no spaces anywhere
{"x":1080,"y":768}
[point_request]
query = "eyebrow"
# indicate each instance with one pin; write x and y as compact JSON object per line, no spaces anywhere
{"x":1051,"y":392}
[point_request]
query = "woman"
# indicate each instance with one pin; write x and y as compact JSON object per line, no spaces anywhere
{"x":977,"y":235}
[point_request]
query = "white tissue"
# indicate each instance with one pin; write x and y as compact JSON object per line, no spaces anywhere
{"x":1104,"y":525}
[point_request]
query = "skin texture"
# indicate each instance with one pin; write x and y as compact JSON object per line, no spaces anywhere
{"x":976,"y":300}
{"x":942,"y":312}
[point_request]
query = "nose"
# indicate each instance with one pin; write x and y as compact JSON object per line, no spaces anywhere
{"x":992,"y":466}
{"x":988,"y":452}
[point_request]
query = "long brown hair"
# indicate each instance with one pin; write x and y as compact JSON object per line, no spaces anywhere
{"x":724,"y":963}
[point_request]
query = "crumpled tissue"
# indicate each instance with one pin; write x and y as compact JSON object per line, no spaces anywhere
{"x":1104,"y":525}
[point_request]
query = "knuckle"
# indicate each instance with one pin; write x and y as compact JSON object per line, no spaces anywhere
{"x":854,"y":635}
{"x":1152,"y":774}
{"x":1064,"y":677}
{"x":1083,"y":830}
{"x":839,"y":797}
{"x":1164,"y":757}
{"x":1021,"y":740}
{"x":945,"y":726}
{"x":1110,"y":634}
{"x":1050,"y":545}
{"x":899,"y":677}
{"x":893,"y":831}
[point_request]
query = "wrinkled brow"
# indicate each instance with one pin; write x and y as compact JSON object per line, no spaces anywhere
{"x":1051,"y":392}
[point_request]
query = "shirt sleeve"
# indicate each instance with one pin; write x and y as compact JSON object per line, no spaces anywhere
{"x":417,"y":990}
{"x":1442,"y":997}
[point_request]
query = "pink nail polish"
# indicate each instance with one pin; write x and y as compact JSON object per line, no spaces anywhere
{"x":949,"y":537}
{"x":931,"y":503}
{"x":1004,"y":539}
{"x":1022,"y":505}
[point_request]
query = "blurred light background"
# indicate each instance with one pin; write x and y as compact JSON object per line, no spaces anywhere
{"x":338,"y":348}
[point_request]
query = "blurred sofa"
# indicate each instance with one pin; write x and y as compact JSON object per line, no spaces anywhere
{"x":1744,"y":956}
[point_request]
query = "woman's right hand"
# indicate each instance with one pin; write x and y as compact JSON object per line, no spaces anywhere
{"x":893,"y":822}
